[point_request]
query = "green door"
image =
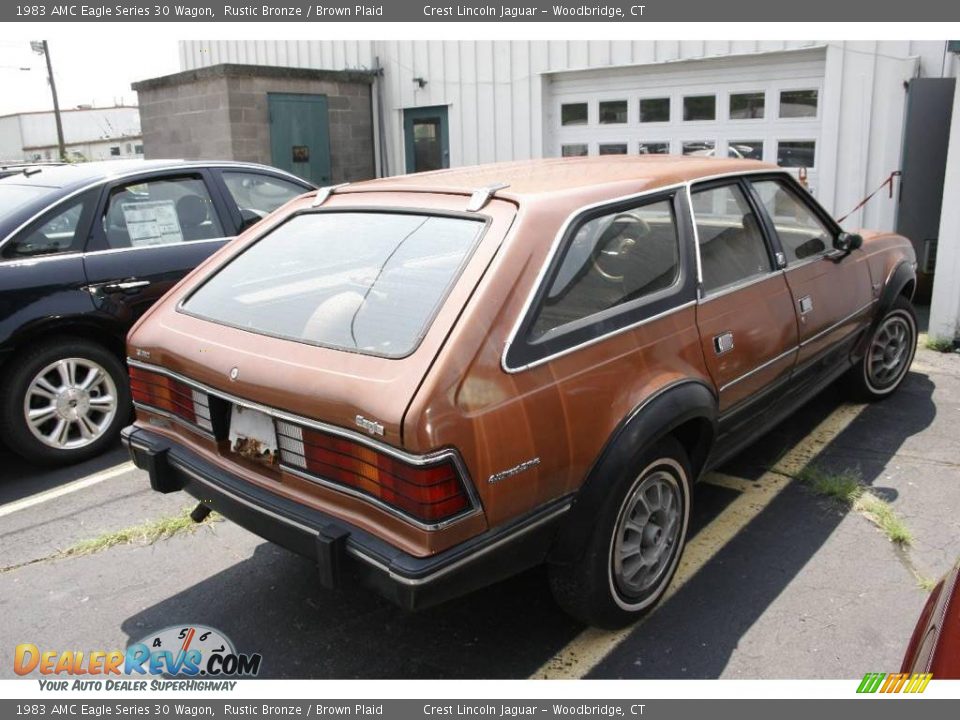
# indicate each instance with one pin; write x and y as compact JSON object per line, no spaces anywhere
{"x":426,"y":138}
{"x":300,"y":135}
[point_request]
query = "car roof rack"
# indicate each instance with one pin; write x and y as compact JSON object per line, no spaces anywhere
{"x":481,"y":196}
{"x":324,"y":193}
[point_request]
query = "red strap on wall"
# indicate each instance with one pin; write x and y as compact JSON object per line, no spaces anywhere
{"x":888,"y":183}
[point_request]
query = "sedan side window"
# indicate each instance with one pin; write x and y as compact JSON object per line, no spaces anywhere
{"x":61,"y":231}
{"x":160,"y":212}
{"x":612,"y":260}
{"x":258,"y":195}
{"x":732,"y":248}
{"x":802,"y":234}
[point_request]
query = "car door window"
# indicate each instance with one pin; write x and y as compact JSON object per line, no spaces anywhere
{"x":257,"y":195}
{"x":802,"y":234}
{"x":612,"y":260}
{"x":62,"y":230}
{"x":731,"y":244}
{"x":160,"y":211}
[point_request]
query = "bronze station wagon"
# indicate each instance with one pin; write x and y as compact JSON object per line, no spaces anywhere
{"x":432,"y":382}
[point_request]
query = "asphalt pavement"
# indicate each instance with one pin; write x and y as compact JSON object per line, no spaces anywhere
{"x":777,"y":582}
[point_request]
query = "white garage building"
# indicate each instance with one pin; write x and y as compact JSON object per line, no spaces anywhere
{"x":847,"y":115}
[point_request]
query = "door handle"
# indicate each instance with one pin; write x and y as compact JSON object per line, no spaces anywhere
{"x":806,"y":304}
{"x":125,"y":285}
{"x":723,"y":343}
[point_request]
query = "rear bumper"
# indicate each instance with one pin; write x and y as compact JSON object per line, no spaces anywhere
{"x":342,"y":550}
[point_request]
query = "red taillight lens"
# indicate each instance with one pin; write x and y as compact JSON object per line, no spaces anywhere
{"x":170,"y":395}
{"x":430,"y":493}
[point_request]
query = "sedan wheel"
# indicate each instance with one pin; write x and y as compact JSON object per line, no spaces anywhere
{"x":63,"y":400}
{"x":70,"y":403}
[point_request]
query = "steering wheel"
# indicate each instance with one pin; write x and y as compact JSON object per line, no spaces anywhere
{"x":615,"y":244}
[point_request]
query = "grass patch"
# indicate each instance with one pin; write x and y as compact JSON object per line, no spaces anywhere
{"x":145,"y":533}
{"x":926,"y":584}
{"x":939,"y":344}
{"x":847,"y":488}
{"x":883,"y":516}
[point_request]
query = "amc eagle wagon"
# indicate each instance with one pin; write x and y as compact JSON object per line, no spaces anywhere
{"x":429,"y":383}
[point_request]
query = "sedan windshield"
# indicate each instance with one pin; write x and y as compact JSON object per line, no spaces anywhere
{"x":366,"y":282}
{"x":13,"y":197}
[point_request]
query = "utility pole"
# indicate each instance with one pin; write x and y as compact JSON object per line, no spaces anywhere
{"x":40,"y":47}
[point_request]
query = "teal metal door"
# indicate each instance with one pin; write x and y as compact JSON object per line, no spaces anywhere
{"x":300,"y":135}
{"x":426,"y":138}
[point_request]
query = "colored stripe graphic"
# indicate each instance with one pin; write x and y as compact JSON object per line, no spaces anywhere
{"x":894,"y":683}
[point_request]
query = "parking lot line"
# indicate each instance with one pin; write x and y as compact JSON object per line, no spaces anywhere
{"x":585,"y":651}
{"x":71,"y":487}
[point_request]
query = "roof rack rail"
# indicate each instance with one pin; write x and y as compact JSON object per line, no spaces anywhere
{"x":324,"y":193}
{"x":481,"y":196}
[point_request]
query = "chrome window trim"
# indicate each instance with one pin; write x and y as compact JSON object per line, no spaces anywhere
{"x":409,"y":458}
{"x":179,"y":165}
{"x":747,"y":282}
{"x":558,"y":238}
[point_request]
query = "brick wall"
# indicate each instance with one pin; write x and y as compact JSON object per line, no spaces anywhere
{"x":220,"y":112}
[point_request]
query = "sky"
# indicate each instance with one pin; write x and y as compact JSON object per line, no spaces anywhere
{"x":86,"y":73}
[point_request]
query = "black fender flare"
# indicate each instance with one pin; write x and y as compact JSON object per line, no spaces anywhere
{"x":902,"y":274}
{"x":654,"y":418}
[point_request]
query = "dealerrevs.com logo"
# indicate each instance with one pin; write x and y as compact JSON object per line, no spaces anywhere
{"x":181,"y":652}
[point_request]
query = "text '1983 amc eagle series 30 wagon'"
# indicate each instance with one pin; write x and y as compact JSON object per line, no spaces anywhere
{"x":432,"y":382}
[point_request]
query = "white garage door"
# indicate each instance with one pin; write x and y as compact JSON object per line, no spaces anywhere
{"x":764,"y":107}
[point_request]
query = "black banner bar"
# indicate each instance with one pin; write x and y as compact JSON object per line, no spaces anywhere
{"x":735,"y":11}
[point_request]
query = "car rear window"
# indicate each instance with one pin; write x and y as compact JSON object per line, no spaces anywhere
{"x":13,"y":197}
{"x":368,"y":282}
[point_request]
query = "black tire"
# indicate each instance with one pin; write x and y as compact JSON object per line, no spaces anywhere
{"x":21,"y":374}
{"x":868,"y":379}
{"x":592,"y":588}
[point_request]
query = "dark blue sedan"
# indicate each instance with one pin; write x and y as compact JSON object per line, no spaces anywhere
{"x":84,"y":251}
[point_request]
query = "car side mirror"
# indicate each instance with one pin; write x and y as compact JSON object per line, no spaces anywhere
{"x":848,"y":242}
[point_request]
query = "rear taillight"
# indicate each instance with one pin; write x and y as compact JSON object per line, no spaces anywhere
{"x":430,"y":492}
{"x":171,"y":396}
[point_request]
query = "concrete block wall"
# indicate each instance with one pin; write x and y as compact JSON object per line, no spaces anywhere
{"x":221,"y":112}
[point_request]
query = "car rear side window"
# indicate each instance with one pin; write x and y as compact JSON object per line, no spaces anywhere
{"x":59,"y":231}
{"x":612,"y":260}
{"x":368,"y":282}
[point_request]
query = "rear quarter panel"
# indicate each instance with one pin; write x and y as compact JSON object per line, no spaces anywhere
{"x":561,"y":412}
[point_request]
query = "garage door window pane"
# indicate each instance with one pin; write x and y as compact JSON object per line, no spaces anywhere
{"x":802,"y":234}
{"x":613,"y":112}
{"x":745,"y":106}
{"x":612,"y":260}
{"x":798,"y":103}
{"x":573,"y":114}
{"x":574,"y":150}
{"x":654,"y":148}
{"x":706,"y":148}
{"x":732,"y":249}
{"x":796,"y":153}
{"x":613,"y":149}
{"x":655,"y":110}
{"x":700,"y":107}
{"x":746,"y":149}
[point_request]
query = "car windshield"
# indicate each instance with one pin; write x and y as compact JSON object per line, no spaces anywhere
{"x":367,"y":282}
{"x":13,"y":197}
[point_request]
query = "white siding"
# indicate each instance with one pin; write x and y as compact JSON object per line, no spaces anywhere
{"x":495,"y":91}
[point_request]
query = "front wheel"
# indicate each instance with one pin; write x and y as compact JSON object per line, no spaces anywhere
{"x":889,"y":353}
{"x":636,"y":544}
{"x":64,"y":401}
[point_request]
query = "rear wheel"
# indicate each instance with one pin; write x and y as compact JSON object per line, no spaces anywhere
{"x":889,"y":353}
{"x":635,"y":546}
{"x":64,"y":401}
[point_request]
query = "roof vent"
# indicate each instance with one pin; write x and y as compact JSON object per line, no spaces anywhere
{"x":481,"y":196}
{"x":324,"y":193}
